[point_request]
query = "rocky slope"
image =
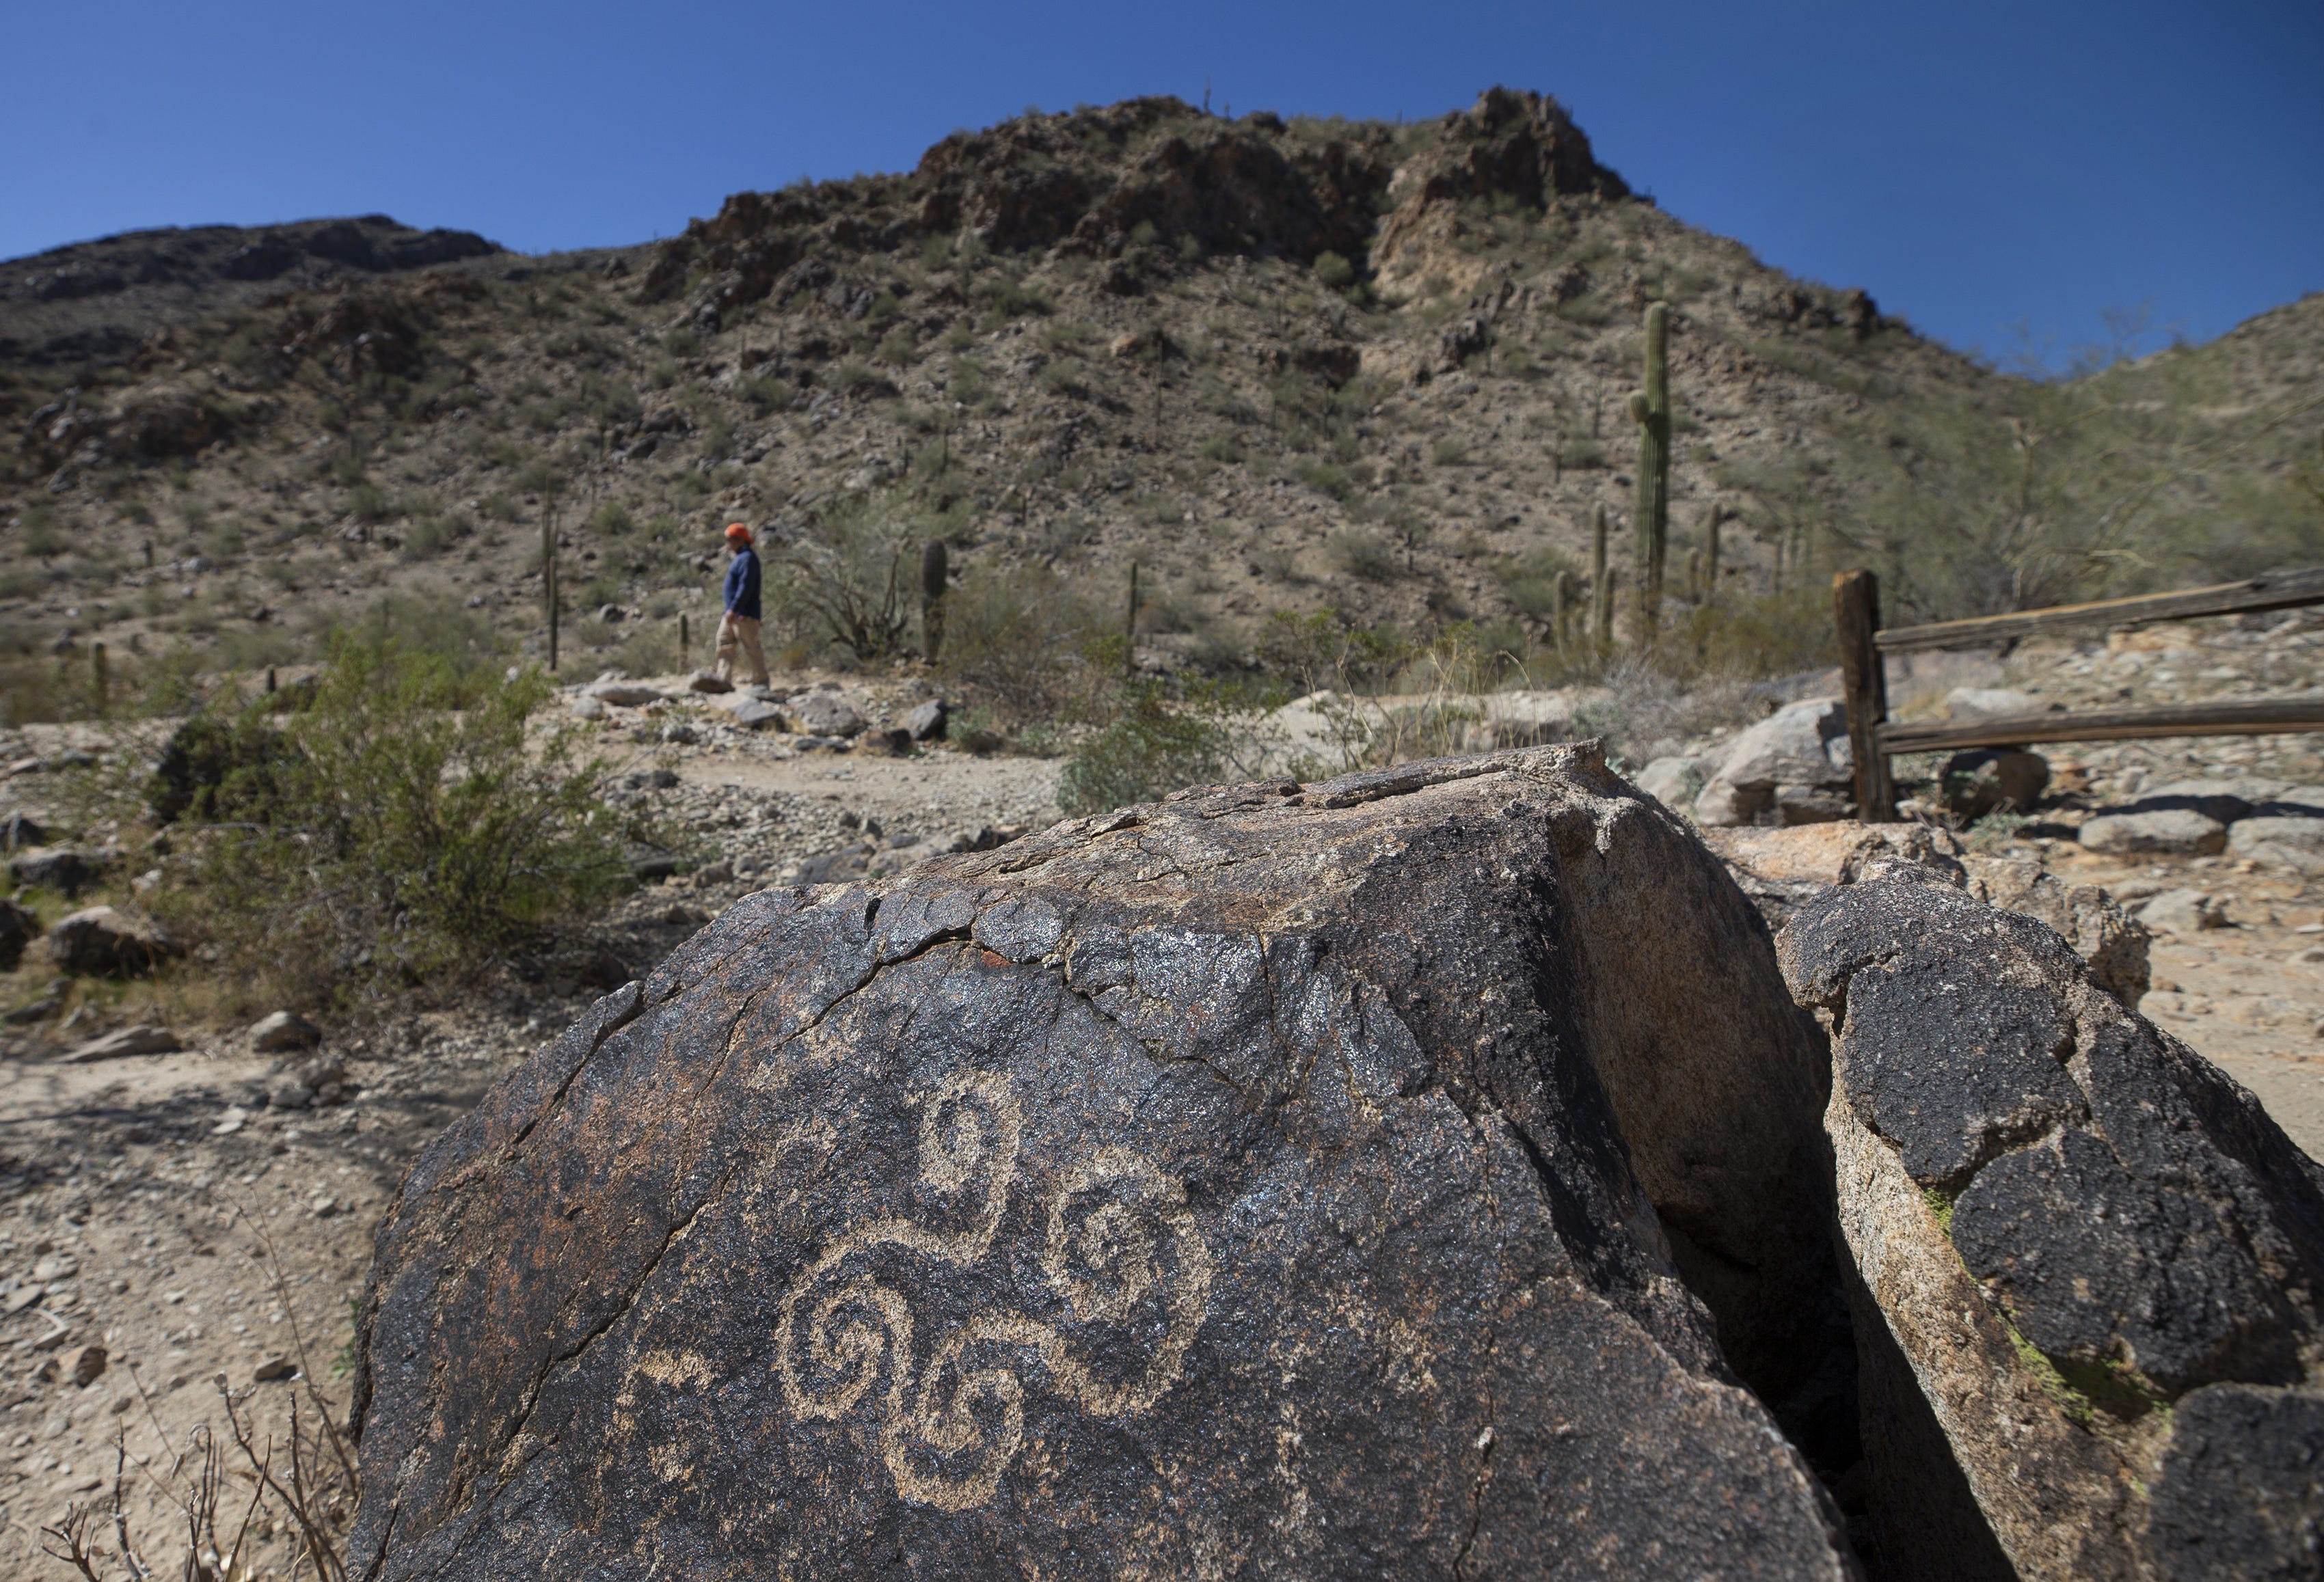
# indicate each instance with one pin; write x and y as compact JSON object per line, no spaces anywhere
{"x":1286,"y":366}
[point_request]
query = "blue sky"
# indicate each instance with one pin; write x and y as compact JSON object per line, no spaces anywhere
{"x":1976,"y":166}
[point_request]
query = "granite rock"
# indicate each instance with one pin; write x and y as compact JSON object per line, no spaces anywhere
{"x":1297,"y":1180}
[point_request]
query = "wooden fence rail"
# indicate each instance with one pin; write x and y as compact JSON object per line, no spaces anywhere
{"x":1874,"y":738}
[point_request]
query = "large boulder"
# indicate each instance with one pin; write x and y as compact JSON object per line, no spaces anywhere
{"x":2086,"y":1264}
{"x":1308,"y":1181}
{"x":98,"y":942}
{"x":1801,"y":745}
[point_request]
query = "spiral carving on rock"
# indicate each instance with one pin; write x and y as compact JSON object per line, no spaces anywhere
{"x":1121,"y":1256}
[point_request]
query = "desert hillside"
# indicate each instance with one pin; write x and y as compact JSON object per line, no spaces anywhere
{"x":1311,"y":366}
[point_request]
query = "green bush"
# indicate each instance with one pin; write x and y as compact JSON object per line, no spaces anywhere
{"x":404,"y":824}
{"x":1150,"y":750}
{"x":1365,"y":556}
{"x":1334,"y":270}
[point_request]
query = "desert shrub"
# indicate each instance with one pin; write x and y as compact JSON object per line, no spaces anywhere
{"x":1023,"y":639}
{"x":219,"y":766}
{"x":1448,"y":452}
{"x":845,"y":578}
{"x":1149,"y":749}
{"x":1334,"y":270}
{"x":1364,"y":554}
{"x":406,"y":822}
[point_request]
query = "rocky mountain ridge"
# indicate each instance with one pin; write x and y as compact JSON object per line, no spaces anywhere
{"x":1287,"y":367}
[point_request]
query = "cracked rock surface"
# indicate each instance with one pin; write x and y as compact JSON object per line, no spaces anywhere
{"x":1399,"y":1175}
{"x":2085,"y":1263}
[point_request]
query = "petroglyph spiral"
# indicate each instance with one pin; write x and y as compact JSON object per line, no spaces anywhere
{"x":1119,"y":1253}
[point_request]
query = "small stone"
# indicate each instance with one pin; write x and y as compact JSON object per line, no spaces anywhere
{"x":235,"y":1116}
{"x":287,"y":1092}
{"x":1672,"y":781}
{"x":826,"y":713}
{"x":927,"y":722}
{"x":323,"y":1208}
{"x":708,"y":681}
{"x":124,"y":1041}
{"x":274,"y":1369}
{"x":1976,"y":784}
{"x":2295,"y":843}
{"x":100,"y":942}
{"x":2180,"y":831}
{"x":1809,"y":804}
{"x":1969,"y":706}
{"x":2184,"y":911}
{"x":283,"y":1030}
{"x":84,"y":1365}
{"x":584,"y":707}
{"x":1725,"y":805}
{"x":625,"y":695}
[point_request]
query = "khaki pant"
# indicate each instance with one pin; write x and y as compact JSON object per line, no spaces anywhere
{"x":740,"y":631}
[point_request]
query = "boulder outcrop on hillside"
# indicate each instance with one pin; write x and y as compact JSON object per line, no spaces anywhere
{"x":1377,"y":1176}
{"x":2086,"y":1264}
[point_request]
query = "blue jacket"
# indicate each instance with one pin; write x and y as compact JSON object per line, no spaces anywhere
{"x":742,"y":586}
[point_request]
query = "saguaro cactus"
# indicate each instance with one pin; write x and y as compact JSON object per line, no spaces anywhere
{"x":1651,"y":407}
{"x":1601,"y":583}
{"x":936,"y":567}
{"x":1129,"y":628}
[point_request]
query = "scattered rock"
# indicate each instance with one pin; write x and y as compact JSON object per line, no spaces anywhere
{"x":21,"y":830}
{"x":274,"y":1370}
{"x":102,"y":943}
{"x":2184,"y":911}
{"x":1674,"y":782}
{"x":83,"y":1365}
{"x":2014,"y":1340}
{"x":825,"y":713}
{"x":1723,"y":805}
{"x":1802,"y":744}
{"x":1015,"y":1189}
{"x":1810,"y":805}
{"x":927,"y":722}
{"x":624,"y":694}
{"x":18,"y":928}
{"x":56,"y":868}
{"x":713,"y":873}
{"x":1970,"y":705}
{"x":2175,"y":832}
{"x":124,"y":1041}
{"x":285,"y":1091}
{"x":582,"y":706}
{"x":2294,"y":844}
{"x":324,"y":1207}
{"x":1973,"y":785}
{"x":753,"y":715}
{"x":708,"y":681}
{"x":282,"y":1030}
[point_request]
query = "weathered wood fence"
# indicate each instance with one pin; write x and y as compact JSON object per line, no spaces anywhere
{"x":1874,"y":738}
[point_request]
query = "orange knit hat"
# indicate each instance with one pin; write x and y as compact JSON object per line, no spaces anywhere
{"x":736,"y":533}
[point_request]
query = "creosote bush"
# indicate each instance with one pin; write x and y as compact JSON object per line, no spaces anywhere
{"x":405,"y":824}
{"x":1147,"y":751}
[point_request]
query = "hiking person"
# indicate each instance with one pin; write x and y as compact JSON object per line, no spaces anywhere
{"x":738,"y":626}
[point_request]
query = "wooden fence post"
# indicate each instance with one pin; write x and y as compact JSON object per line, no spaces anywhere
{"x":1856,"y":611}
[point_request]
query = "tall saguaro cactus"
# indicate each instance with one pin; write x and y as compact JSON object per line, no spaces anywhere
{"x":935,"y":568}
{"x":1651,"y":407}
{"x":1601,"y":584}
